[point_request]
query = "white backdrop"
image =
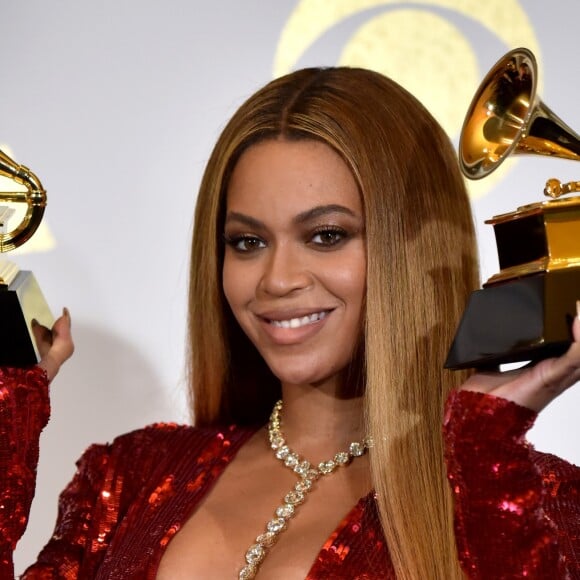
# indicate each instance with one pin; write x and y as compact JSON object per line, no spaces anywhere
{"x":115,"y":106}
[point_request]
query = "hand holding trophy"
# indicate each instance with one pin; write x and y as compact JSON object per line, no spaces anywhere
{"x":525,"y":311}
{"x":21,"y":300}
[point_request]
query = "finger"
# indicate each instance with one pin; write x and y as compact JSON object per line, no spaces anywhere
{"x":42,"y":336}
{"x":62,"y":343}
{"x":534,"y":387}
{"x":61,"y":346}
{"x":62,"y":325}
{"x":485,"y":382}
{"x":576,"y":323}
{"x":540,"y":385}
{"x":563,"y":372}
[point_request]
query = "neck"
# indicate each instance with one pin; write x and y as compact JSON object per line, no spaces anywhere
{"x":317,"y":422}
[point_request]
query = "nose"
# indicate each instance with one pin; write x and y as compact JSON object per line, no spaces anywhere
{"x":285,"y":271}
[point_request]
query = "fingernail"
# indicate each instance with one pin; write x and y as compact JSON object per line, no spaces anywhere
{"x":34,"y":322}
{"x":66,"y":314}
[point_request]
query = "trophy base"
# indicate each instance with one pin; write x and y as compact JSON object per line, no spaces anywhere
{"x":20,"y":302}
{"x":518,"y":320}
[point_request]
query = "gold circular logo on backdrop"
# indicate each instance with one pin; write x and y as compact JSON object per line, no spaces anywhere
{"x":415,"y":44}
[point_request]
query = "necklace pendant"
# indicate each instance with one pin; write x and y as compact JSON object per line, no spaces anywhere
{"x":248,"y":572}
{"x":282,"y":452}
{"x":267,"y":539}
{"x":276,"y":525}
{"x":304,"y":485}
{"x":293,"y":499}
{"x":327,"y":467}
{"x":285,"y":511}
{"x":255,"y":554}
{"x":302,"y":468}
{"x":291,"y":460}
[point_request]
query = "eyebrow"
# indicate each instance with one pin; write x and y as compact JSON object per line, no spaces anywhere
{"x":321,"y":210}
{"x":305,"y":216}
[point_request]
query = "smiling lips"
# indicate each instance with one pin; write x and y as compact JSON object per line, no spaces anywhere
{"x":295,"y":329}
{"x":301,"y":321}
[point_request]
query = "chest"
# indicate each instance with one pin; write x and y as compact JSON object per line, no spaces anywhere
{"x":214,"y":539}
{"x":197,"y":514}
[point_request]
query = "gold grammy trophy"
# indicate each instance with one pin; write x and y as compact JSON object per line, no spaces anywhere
{"x":21,"y":300}
{"x":525,"y":311}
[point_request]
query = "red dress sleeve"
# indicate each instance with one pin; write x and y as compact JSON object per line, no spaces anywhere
{"x":116,"y":488}
{"x":87,"y":518}
{"x":517,"y":511}
{"x":24,"y":411}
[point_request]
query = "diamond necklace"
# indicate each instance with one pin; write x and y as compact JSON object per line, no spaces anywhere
{"x":308,"y":475}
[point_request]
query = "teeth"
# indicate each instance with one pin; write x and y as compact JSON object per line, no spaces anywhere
{"x":298,"y":322}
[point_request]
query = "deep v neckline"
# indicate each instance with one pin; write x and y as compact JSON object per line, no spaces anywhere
{"x":219,"y":468}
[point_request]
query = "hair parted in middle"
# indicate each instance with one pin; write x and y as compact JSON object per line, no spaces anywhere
{"x":421,"y":267}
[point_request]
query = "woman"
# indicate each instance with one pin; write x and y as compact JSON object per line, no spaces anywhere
{"x":333,"y":253}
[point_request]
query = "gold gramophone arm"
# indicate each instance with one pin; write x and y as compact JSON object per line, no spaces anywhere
{"x":547,"y":134}
{"x":13,"y":196}
{"x":34,"y":197}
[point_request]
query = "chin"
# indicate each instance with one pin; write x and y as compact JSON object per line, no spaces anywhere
{"x":300,"y":367}
{"x":301,"y":374}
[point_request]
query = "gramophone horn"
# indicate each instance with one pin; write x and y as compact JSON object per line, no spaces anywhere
{"x":34,"y":197}
{"x":505,"y":117}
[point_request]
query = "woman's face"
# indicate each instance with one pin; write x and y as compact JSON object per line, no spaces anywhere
{"x":295,"y":259}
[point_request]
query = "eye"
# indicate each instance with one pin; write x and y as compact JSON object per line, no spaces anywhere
{"x":245,"y":243}
{"x":328,"y":237}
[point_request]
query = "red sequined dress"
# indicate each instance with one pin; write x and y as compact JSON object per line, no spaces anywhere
{"x":517,"y":510}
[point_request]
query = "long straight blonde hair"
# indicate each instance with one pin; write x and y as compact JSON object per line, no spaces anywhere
{"x":421,"y":267}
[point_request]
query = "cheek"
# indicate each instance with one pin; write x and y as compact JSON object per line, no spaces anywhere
{"x":350,"y":282}
{"x":238,"y":283}
{"x":231,"y":284}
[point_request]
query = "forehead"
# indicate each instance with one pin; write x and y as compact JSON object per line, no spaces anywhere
{"x":277,"y":175}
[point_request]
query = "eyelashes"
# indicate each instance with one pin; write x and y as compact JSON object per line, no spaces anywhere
{"x":321,"y":238}
{"x":329,"y":236}
{"x":244,"y":243}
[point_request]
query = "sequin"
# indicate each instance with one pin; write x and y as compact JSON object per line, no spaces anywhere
{"x":161,"y":492}
{"x":168,"y":535}
{"x":517,"y":510}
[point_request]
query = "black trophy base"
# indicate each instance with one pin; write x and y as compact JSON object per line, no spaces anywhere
{"x":20,"y":302}
{"x":525,"y":319}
